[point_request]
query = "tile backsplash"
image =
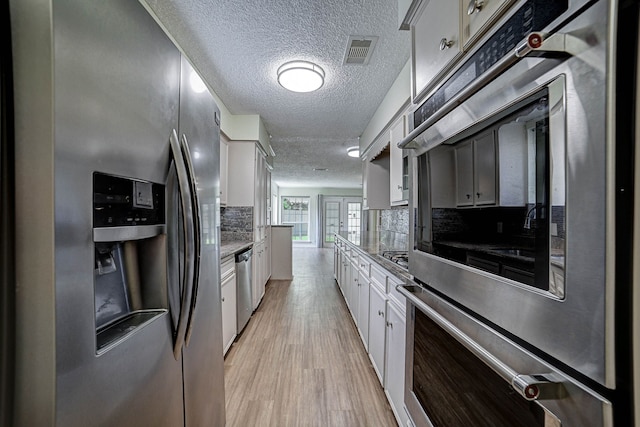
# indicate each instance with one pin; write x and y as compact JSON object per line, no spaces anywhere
{"x":394,"y":227}
{"x":236,"y":223}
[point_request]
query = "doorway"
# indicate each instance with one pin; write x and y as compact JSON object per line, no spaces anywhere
{"x":341,"y":215}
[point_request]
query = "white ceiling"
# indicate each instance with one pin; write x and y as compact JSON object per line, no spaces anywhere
{"x":238,"y":46}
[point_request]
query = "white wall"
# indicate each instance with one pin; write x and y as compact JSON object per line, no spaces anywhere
{"x":313,"y":203}
{"x":396,"y":98}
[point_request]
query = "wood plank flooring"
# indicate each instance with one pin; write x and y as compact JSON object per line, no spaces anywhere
{"x":300,"y":361}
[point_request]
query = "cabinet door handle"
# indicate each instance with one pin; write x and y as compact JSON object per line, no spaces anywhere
{"x":399,"y":187}
{"x":468,"y":196}
{"x":222,"y":299}
{"x":445,"y":44}
{"x":389,"y":324}
{"x":478,"y":195}
{"x":474,"y":5}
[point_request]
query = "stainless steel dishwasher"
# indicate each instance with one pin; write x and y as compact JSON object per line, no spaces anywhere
{"x":243,"y":283}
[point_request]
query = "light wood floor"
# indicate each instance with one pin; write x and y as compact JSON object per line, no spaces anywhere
{"x":300,"y":361}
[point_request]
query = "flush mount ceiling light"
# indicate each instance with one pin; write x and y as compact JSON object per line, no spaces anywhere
{"x":300,"y":76}
{"x":353,"y":151}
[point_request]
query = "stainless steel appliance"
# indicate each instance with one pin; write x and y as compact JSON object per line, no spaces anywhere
{"x":515,"y":169}
{"x":244,"y":301}
{"x":117,"y":294}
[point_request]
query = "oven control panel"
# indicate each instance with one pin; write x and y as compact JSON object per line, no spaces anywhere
{"x":534,"y":15}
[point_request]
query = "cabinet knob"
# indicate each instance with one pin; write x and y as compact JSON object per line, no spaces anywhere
{"x":399,"y":187}
{"x":474,"y":5}
{"x":389,"y":324}
{"x":222,"y":299}
{"x":478,"y":195}
{"x":468,"y":196}
{"x":445,"y":44}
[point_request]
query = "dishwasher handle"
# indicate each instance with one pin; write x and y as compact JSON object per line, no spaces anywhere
{"x":244,"y":256}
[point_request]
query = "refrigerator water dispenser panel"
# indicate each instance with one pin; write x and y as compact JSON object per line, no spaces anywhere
{"x":121,"y":202}
{"x":129,"y":236}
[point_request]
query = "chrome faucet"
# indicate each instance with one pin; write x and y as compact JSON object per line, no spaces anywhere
{"x":530,"y":215}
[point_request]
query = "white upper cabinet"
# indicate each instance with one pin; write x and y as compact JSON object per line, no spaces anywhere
{"x":435,"y":43}
{"x":478,"y":15}
{"x":375,"y":181}
{"x":443,"y":172}
{"x":396,"y":193}
{"x":476,"y":171}
{"x":224,"y":155}
{"x":484,"y":171}
{"x":441,"y":31}
{"x":241,"y":172}
{"x":464,"y":174}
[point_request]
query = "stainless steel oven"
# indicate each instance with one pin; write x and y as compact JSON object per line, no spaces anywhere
{"x":514,"y":185}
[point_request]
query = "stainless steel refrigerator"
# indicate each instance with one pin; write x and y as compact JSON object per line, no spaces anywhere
{"x":116,"y":293}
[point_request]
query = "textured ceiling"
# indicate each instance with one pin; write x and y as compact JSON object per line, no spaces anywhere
{"x":239,"y":45}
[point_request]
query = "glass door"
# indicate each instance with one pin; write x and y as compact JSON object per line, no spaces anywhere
{"x":341,"y":215}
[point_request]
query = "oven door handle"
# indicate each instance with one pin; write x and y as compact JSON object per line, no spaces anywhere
{"x":531,"y":387}
{"x":534,"y":42}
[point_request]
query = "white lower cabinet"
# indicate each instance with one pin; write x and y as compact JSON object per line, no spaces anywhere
{"x":261,"y":269}
{"x":395,"y":352}
{"x":377,"y":330}
{"x":229,"y":313}
{"x":362,"y":318}
{"x":378,"y":310}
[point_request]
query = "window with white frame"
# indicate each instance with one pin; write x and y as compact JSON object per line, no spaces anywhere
{"x":295,"y":211}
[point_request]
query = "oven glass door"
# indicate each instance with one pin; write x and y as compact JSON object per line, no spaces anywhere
{"x":492,"y":197}
{"x":455,"y":389}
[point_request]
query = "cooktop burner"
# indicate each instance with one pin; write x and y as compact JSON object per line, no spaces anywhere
{"x":399,"y":257}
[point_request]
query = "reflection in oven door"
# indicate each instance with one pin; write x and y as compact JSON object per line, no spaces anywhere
{"x":457,"y":390}
{"x":460,"y":372}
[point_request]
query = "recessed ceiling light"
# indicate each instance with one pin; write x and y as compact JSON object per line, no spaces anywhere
{"x":353,"y":151}
{"x":320,"y":169}
{"x":300,"y":76}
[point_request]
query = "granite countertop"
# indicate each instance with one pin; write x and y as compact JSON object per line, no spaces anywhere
{"x":374,"y":247}
{"x":232,"y":247}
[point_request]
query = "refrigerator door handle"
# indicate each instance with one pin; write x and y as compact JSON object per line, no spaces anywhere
{"x":187,"y":221}
{"x":197,"y":224}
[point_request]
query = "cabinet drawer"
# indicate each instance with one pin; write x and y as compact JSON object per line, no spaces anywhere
{"x":227,"y":267}
{"x":364,"y":265}
{"x":379,"y":278}
{"x":394,"y":295}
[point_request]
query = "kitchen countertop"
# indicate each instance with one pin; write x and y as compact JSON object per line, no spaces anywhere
{"x":371,"y":245}
{"x":232,"y":247}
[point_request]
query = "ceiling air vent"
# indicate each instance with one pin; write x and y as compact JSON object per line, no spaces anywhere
{"x":359,"y":49}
